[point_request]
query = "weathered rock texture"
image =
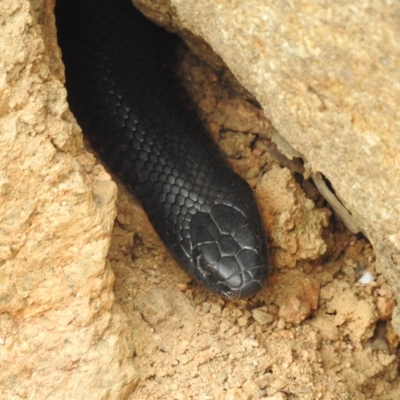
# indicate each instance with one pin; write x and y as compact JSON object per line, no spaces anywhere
{"x":327,"y":76}
{"x":60,"y":336}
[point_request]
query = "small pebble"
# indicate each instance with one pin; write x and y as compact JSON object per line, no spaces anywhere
{"x":366,"y":278}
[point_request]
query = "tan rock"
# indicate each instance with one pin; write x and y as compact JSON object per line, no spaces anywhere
{"x":60,"y":335}
{"x":357,"y":317}
{"x":385,"y":307}
{"x":296,"y":294}
{"x":293,"y":221}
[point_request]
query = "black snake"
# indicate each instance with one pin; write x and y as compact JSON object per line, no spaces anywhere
{"x":138,"y":117}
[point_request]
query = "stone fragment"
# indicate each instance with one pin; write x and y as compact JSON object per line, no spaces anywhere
{"x":296,"y":225}
{"x":296,"y":294}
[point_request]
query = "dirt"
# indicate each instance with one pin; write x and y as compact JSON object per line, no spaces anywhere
{"x":314,"y":332}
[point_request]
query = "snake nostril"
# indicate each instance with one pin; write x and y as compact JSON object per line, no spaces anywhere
{"x":226,"y":291}
{"x":206,"y":257}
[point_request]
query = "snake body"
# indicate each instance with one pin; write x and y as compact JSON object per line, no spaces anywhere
{"x":138,"y":117}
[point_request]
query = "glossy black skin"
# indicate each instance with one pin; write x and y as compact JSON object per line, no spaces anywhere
{"x":138,"y":117}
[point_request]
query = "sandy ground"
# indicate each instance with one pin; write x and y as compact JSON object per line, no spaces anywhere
{"x":314,"y":332}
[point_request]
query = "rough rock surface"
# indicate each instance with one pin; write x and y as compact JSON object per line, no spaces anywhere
{"x":314,"y":332}
{"x":327,"y":76}
{"x":60,"y":335}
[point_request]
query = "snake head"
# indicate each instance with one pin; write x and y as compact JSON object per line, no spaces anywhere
{"x":228,"y":252}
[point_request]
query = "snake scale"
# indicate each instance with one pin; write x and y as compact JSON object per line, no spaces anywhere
{"x":136,"y":114}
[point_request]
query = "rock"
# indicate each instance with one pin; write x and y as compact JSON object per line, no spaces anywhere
{"x":326,"y":326}
{"x":296,"y":294}
{"x":262,"y":316}
{"x":385,"y":307}
{"x":62,"y":337}
{"x":295,"y":224}
{"x":327,"y":77}
{"x":357,"y":317}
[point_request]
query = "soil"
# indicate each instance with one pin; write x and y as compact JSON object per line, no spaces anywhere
{"x":314,"y":332}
